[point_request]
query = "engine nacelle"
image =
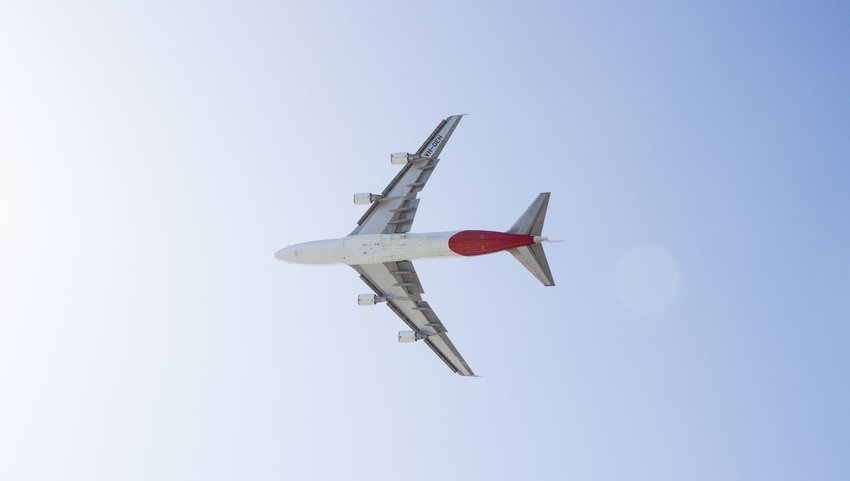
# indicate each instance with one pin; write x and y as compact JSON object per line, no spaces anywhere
{"x":399,"y":158}
{"x":366,"y":198}
{"x":369,"y":299}
{"x":410,"y":336}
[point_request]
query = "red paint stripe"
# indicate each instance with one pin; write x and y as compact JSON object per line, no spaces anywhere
{"x":479,"y":242}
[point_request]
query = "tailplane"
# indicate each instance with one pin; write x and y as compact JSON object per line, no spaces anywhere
{"x":532,"y":256}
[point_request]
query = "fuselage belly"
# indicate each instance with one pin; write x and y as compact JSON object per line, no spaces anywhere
{"x":380,"y":248}
{"x":369,"y":249}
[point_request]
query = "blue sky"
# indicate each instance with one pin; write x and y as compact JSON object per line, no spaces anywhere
{"x":153,"y":156}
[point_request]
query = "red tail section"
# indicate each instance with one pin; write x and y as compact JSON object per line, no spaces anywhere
{"x":519,"y":241}
{"x":479,"y":242}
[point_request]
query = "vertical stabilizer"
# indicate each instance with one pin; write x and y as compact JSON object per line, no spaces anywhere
{"x":533,"y":257}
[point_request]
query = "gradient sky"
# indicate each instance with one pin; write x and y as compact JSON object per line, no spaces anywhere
{"x":153,"y":156}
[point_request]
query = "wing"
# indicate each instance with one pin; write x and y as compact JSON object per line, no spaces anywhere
{"x":398,"y":282}
{"x":395,"y":212}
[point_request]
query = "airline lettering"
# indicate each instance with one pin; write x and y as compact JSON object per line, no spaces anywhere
{"x":437,"y":141}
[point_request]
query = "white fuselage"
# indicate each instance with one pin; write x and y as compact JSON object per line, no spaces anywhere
{"x":369,"y":249}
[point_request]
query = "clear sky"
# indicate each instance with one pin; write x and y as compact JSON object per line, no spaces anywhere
{"x":154,"y":155}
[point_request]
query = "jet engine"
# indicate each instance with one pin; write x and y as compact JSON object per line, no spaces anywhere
{"x":366,"y":198}
{"x":369,"y":299}
{"x":399,"y":158}
{"x":410,"y":336}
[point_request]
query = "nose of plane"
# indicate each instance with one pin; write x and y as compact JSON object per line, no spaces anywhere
{"x":284,"y":254}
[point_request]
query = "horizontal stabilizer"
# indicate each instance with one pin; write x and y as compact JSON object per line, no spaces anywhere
{"x":532,"y":256}
{"x":534,"y":259}
{"x":531,"y":222}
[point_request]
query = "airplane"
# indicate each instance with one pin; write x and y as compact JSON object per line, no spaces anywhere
{"x":381,"y":247}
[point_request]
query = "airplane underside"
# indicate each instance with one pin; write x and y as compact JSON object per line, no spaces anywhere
{"x":380,"y":248}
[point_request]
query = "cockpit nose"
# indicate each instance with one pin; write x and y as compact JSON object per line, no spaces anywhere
{"x":286,"y":254}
